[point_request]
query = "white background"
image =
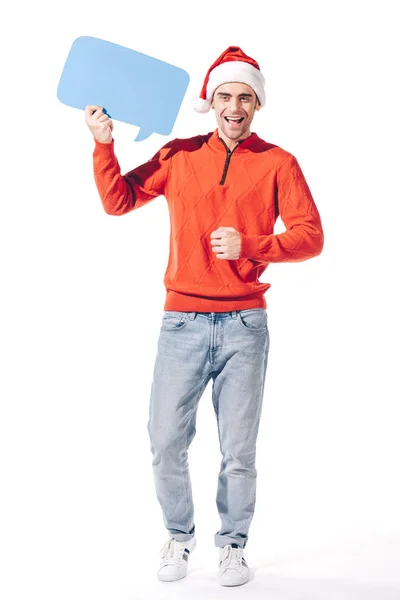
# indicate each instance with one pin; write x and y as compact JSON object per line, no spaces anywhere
{"x":82,"y":299}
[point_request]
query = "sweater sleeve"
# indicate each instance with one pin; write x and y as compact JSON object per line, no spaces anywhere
{"x":304,"y":237}
{"x":122,"y":193}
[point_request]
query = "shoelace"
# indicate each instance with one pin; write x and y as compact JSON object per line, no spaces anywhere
{"x":231,"y":557}
{"x":168,"y":552}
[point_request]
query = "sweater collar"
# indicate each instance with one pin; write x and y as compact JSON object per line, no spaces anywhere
{"x":249,"y":143}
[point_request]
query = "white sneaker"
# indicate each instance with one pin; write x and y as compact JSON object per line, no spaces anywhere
{"x":174,"y":559}
{"x":233,"y":569}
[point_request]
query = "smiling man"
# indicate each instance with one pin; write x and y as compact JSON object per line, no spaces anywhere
{"x":225,"y":190}
{"x":234,"y":105}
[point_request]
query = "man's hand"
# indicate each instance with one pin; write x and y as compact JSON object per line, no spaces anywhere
{"x":226,"y":242}
{"x":99,"y":123}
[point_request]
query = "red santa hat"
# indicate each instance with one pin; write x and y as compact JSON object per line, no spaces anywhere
{"x":232,"y":66}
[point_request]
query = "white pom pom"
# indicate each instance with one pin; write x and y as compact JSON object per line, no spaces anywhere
{"x":200,"y":105}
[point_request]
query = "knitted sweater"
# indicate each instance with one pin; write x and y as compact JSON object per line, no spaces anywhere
{"x":206,"y":186}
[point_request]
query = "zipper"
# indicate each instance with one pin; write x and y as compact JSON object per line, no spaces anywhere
{"x":227,"y":161}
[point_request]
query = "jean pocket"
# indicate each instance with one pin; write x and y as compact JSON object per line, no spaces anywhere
{"x":253,"y":319}
{"x":173,"y":321}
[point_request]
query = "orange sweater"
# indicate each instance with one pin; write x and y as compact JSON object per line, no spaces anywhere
{"x":207,"y":187}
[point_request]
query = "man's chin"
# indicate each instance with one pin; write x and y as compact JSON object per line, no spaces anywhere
{"x":233,"y":134}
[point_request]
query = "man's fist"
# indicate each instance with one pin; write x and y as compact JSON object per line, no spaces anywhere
{"x":99,"y":123}
{"x":226,"y":242}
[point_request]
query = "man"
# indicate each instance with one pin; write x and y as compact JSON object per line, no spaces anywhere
{"x":224,"y":191}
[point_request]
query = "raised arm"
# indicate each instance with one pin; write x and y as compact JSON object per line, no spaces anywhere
{"x":120,"y":194}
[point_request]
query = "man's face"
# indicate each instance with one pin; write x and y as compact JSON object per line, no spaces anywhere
{"x":234,"y":104}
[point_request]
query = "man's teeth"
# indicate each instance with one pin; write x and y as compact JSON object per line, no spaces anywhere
{"x":236,"y":119}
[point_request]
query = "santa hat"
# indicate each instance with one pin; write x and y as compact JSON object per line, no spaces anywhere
{"x":232,"y":66}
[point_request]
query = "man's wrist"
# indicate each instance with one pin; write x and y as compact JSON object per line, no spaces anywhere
{"x":249,"y":246}
{"x":102,"y":142}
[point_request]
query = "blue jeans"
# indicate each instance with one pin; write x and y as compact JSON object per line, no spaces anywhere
{"x":232,"y":348}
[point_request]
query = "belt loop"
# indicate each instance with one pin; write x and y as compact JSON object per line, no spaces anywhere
{"x":234,"y":314}
{"x":192,"y":315}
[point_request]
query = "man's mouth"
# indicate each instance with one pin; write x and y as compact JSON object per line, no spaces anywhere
{"x":233,"y":120}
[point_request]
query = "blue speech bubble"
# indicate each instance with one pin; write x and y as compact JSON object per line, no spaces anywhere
{"x":132,"y":87}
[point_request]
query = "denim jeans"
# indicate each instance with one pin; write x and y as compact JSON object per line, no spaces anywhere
{"x":193,"y":347}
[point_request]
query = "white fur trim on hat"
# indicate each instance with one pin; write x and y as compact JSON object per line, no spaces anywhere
{"x":237,"y":71}
{"x":230,"y":72}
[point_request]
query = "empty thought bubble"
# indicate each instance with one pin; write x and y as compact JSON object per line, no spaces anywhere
{"x":132,"y":87}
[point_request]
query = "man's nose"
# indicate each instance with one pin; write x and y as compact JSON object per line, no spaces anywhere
{"x":234,"y":104}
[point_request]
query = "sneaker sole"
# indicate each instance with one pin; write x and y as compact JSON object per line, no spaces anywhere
{"x":233,"y":584}
{"x":169,"y":578}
